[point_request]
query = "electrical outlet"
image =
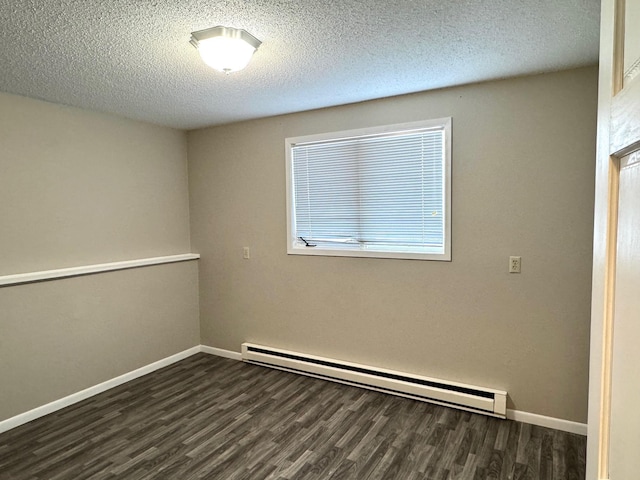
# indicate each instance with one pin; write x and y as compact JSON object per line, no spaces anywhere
{"x":514,"y":264}
{"x":246,"y":253}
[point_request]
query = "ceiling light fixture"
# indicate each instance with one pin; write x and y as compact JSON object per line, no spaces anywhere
{"x":224,"y":48}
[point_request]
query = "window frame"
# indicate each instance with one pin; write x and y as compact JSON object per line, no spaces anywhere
{"x":292,"y":242}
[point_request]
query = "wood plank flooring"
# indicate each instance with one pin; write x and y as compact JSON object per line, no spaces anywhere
{"x":212,"y":418}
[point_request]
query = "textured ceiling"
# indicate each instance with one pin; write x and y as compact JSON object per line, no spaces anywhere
{"x":133,"y":58}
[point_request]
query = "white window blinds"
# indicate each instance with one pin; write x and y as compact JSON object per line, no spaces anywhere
{"x":381,"y":192}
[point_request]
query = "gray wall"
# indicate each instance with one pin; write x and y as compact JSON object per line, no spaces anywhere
{"x":80,"y":188}
{"x":523,"y":178}
{"x":60,"y":337}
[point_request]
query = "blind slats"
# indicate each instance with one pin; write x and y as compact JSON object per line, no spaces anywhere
{"x":383,"y":192}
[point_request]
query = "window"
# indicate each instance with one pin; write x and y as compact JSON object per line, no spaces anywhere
{"x":375,"y":192}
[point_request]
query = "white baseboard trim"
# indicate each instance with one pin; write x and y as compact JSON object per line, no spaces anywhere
{"x":56,"y":405}
{"x":549,"y":422}
{"x":221,"y":352}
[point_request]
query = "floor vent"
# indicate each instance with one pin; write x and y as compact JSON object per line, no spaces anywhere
{"x":452,"y":394}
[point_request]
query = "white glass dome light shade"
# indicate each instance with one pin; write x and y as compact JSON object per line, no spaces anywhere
{"x":225,"y":49}
{"x":225,"y":54}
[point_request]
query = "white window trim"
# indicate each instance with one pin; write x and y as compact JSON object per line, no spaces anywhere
{"x":294,"y":249}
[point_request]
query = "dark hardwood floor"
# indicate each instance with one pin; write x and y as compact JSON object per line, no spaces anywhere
{"x":214,"y":418}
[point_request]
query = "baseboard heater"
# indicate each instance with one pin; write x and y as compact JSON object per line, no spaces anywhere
{"x":451,"y":394}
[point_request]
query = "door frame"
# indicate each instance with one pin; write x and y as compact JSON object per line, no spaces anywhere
{"x":605,"y":236}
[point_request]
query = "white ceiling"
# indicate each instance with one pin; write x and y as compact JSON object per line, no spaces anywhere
{"x":133,"y":57}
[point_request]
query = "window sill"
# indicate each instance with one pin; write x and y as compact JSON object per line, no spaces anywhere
{"x":324,"y":252}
